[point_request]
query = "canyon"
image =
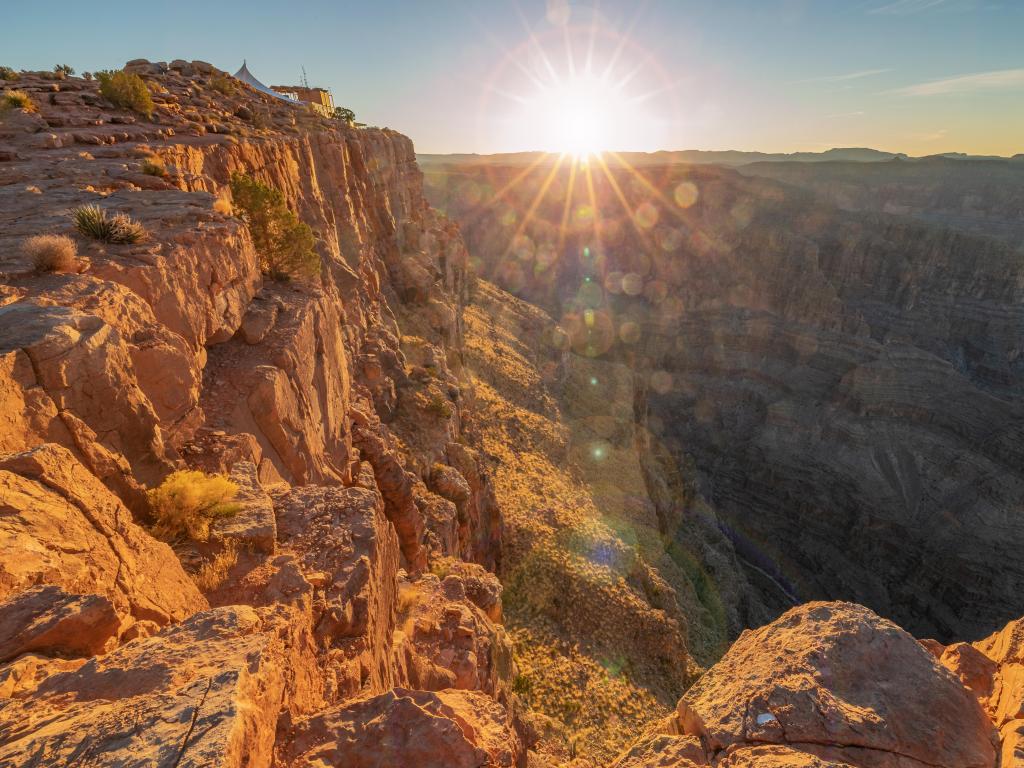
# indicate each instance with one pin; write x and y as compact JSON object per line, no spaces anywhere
{"x":650,"y":472}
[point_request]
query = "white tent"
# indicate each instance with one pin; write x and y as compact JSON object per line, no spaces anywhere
{"x":246,"y":76}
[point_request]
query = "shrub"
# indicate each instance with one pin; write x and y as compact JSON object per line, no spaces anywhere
{"x":283,"y":242}
{"x":344,"y":114}
{"x":6,"y":73}
{"x":187,"y":501}
{"x":63,"y":70}
{"x":439,"y":405}
{"x":51,"y":253}
{"x":212,"y":573}
{"x":223,"y":84}
{"x":92,"y":221}
{"x":220,"y":205}
{"x":18,"y":100}
{"x":126,"y":90}
{"x":154,"y":166}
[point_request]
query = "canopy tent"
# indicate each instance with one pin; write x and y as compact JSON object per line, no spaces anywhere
{"x":246,"y":76}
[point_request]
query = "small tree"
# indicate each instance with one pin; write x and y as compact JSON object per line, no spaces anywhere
{"x":344,"y":114}
{"x":283,"y":242}
{"x":127,"y":90}
{"x":64,"y":70}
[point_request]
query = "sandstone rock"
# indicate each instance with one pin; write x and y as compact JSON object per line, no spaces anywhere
{"x":48,"y":620}
{"x":205,"y":692}
{"x":449,"y":729}
{"x":70,"y":531}
{"x":65,"y":360}
{"x":838,"y":676}
{"x":664,"y":751}
{"x":348,"y":551}
{"x":253,"y":526}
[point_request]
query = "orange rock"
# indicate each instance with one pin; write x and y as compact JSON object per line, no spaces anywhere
{"x":444,"y":729}
{"x":837,"y":676}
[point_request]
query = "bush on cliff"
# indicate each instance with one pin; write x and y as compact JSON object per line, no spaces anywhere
{"x":283,"y":242}
{"x":187,"y":501}
{"x":119,"y":229}
{"x":6,"y":73}
{"x":17,"y":100}
{"x":51,"y":253}
{"x":127,"y":90}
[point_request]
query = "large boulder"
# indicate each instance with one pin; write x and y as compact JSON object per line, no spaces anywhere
{"x":837,"y":681}
{"x":68,"y":530}
{"x":202,"y":693}
{"x":443,"y":729}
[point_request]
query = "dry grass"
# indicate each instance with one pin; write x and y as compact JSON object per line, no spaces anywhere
{"x":220,"y":205}
{"x":18,"y":100}
{"x":51,"y":253}
{"x":154,"y":166}
{"x":213,"y":573}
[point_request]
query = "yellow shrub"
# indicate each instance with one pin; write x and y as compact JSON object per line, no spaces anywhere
{"x":51,"y":253}
{"x":187,"y":501}
{"x":212,"y":574}
{"x":127,"y":90}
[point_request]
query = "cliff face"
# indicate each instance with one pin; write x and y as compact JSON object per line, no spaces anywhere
{"x":334,"y":403}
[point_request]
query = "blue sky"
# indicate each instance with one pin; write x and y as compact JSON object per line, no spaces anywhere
{"x":919,"y":76}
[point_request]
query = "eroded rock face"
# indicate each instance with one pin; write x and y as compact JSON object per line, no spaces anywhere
{"x":836,"y":682}
{"x":453,"y":729}
{"x":205,"y":692}
{"x":68,"y":530}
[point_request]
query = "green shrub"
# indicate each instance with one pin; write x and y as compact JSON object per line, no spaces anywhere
{"x":126,"y":90}
{"x":51,"y":253}
{"x":223,"y":83}
{"x":344,"y":114}
{"x":6,"y":73}
{"x":18,"y":100}
{"x":439,"y":405}
{"x":283,"y":242}
{"x":187,"y":501}
{"x":63,"y":70}
{"x":119,"y":229}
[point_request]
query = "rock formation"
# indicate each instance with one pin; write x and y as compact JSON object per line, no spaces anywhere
{"x":178,"y":352}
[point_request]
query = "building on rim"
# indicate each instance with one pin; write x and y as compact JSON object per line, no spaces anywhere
{"x":319,"y":100}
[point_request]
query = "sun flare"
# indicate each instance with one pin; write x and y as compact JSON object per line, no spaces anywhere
{"x":577,"y":112}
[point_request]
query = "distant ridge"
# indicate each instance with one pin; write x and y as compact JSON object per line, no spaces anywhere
{"x":728,"y":157}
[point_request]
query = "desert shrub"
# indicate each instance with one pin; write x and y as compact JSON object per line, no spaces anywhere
{"x":344,"y":114}
{"x":283,"y":242}
{"x":439,"y":405}
{"x":6,"y":73}
{"x":63,"y":70}
{"x":223,"y":83}
{"x":92,"y":221}
{"x":187,"y":501}
{"x":126,"y":90}
{"x":18,"y":100}
{"x":213,"y":572}
{"x":51,"y":253}
{"x":220,"y":205}
{"x":154,"y":166}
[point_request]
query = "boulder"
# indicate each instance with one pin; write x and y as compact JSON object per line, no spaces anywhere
{"x":71,"y":532}
{"x":49,"y":620}
{"x":202,"y":693}
{"x":837,"y":677}
{"x":443,"y":729}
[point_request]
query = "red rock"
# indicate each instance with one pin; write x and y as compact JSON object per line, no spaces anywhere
{"x":445,"y":729}
{"x":49,"y":620}
{"x":837,"y":676}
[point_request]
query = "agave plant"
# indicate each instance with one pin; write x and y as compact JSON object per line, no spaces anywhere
{"x":92,"y":221}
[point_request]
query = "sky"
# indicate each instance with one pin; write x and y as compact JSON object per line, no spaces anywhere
{"x":914,"y":76}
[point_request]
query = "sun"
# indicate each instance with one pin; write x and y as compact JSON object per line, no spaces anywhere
{"x":576,"y":113}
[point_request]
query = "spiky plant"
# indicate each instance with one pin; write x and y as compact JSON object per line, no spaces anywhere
{"x":92,"y":221}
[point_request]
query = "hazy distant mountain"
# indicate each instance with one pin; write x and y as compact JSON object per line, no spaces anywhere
{"x":730,"y":157}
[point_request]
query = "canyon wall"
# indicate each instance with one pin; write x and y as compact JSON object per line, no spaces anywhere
{"x":837,"y":393}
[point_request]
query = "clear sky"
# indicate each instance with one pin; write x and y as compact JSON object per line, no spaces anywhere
{"x":918,"y":76}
